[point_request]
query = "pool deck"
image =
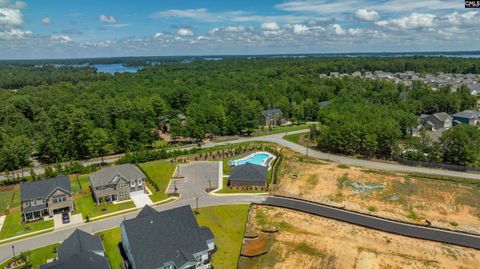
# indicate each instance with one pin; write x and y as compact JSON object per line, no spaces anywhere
{"x":266,"y":162}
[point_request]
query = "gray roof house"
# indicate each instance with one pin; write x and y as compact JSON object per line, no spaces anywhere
{"x":436,"y":121}
{"x":273,"y":117}
{"x":248,"y":175}
{"x":45,"y":197}
{"x":80,"y":251}
{"x":474,"y":89}
{"x":466,"y":117}
{"x":168,"y":239}
{"x":117,"y":182}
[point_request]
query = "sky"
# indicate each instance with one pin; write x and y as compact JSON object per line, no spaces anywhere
{"x":105,"y":28}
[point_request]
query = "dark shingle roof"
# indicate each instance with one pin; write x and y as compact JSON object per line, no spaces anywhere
{"x":34,"y":208}
{"x":40,"y":189}
{"x":79,"y":241}
{"x":269,"y":113}
{"x":81,"y":261}
{"x":249,"y":171}
{"x":80,"y":251}
{"x":168,"y":237}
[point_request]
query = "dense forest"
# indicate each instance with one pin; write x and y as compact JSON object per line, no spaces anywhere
{"x":71,"y":113}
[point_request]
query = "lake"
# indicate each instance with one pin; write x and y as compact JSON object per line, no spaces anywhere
{"x":115,"y":68}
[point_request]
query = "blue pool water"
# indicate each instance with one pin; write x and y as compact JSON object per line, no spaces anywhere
{"x":258,"y":158}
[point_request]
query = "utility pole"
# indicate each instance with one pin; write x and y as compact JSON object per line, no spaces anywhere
{"x":196,"y":210}
{"x":13,"y":250}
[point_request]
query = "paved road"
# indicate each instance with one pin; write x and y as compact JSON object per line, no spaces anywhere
{"x":101,"y":225}
{"x":278,"y":138}
{"x":196,"y":177}
{"x":421,"y":232}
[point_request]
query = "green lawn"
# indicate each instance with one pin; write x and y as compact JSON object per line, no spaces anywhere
{"x":39,"y":256}
{"x":226,"y":222}
{"x":13,"y":225}
{"x":159,"y":172}
{"x":111,"y":238}
{"x":228,"y":225}
{"x":5,"y":199}
{"x":280,"y":129}
{"x":294,"y":138}
{"x":87,"y":206}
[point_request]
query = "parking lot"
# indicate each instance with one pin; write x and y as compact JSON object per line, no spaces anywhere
{"x":197,"y":177}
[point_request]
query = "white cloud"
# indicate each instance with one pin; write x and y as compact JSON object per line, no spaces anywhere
{"x":14,"y":34}
{"x":107,"y":19}
{"x":10,"y":17}
{"x":338,"y":29}
{"x":158,"y":35}
{"x":61,"y":38}
{"x":331,"y":7}
{"x":184,"y":32}
{"x":15,"y":4}
{"x":237,"y":29}
{"x":47,"y":21}
{"x":269,"y":26}
{"x":413,"y":21}
{"x":300,"y":29}
{"x":367,"y":15}
{"x":20,"y":4}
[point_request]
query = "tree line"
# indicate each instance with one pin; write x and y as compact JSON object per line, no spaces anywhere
{"x":76,"y":113}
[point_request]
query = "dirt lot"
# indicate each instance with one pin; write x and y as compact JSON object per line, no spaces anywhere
{"x":444,"y":203}
{"x":306,"y":241}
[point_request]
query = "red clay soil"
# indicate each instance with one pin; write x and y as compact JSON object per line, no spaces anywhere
{"x":255,"y":247}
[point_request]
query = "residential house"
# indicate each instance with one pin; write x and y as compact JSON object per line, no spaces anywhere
{"x":182,"y":118}
{"x":436,"y":121}
{"x":273,"y":117}
{"x":324,"y":104}
{"x":80,"y":250}
{"x":169,"y":239}
{"x":117,"y":182}
{"x":46,"y":197}
{"x":474,"y":89}
{"x":466,"y":117}
{"x":248,"y":175}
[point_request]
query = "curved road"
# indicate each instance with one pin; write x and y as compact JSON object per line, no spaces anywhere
{"x":278,"y":139}
{"x":410,"y":230}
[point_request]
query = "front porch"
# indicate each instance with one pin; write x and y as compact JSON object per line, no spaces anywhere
{"x":34,"y":213}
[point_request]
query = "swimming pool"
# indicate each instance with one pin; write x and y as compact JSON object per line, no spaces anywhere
{"x":258,"y":158}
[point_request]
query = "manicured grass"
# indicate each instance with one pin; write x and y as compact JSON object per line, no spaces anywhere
{"x":159,"y":172}
{"x":280,"y":129}
{"x":111,"y":240}
{"x":13,"y":225}
{"x":87,"y":206}
{"x":227,"y":223}
{"x":39,"y":256}
{"x":5,"y":199}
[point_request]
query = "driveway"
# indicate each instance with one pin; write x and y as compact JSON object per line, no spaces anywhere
{"x":140,"y":199}
{"x":74,"y":220}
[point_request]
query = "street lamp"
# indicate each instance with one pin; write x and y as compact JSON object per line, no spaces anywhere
{"x":13,"y":250}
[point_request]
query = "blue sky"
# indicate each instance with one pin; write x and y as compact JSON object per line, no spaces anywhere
{"x":87,"y":28}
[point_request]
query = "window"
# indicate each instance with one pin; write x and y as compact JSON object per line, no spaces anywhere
{"x":132,"y":183}
{"x":139,"y":181}
{"x":59,"y":199}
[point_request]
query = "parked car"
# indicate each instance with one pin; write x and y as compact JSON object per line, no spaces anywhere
{"x":65,"y":217}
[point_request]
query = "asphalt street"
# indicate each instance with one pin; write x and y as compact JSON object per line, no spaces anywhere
{"x":278,"y":139}
{"x":410,"y":230}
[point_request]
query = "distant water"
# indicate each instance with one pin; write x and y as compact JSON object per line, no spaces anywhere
{"x":115,"y":68}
